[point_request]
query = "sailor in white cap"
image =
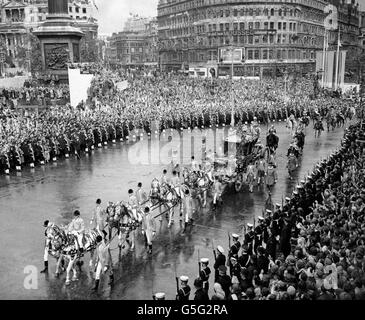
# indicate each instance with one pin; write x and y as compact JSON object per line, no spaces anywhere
{"x":287,"y":199}
{"x":233,"y":250}
{"x":205,"y":273}
{"x":268,"y":212}
{"x":159,"y":296}
{"x":219,"y":261}
{"x":184,"y":292}
{"x":278,"y":205}
{"x":249,"y":237}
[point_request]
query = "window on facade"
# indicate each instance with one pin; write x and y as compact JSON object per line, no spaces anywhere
{"x":279,"y":38}
{"x":77,"y":9}
{"x":266,"y":25}
{"x":266,"y":12}
{"x":235,"y":12}
{"x":294,"y":27}
{"x":227,"y":13}
{"x":250,"y":54}
{"x":214,"y":27}
{"x":221,"y":27}
{"x":272,"y":12}
{"x":132,"y":50}
{"x":84,"y":10}
{"x":221,"y":14}
{"x":264,"y":38}
{"x":284,"y":26}
{"x":250,"y":25}
{"x":250,"y":12}
{"x":257,"y":54}
{"x":257,"y":25}
{"x":284,"y":54}
{"x":284,"y":38}
{"x":279,"y":25}
{"x":271,"y":54}
{"x":235,"y":39}
{"x":264,"y":54}
{"x":290,"y":26}
{"x":256,"y":39}
{"x":242,"y":26}
{"x":271,"y":25}
{"x":271,"y":38}
{"x":278,"y":53}
{"x":250,"y":39}
{"x":227,"y":26}
{"x":242,"y":39}
{"x":242,"y":12}
{"x":235,"y":26}
{"x":280,"y":12}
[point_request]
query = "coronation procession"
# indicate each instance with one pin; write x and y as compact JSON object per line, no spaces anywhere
{"x":138,"y":181}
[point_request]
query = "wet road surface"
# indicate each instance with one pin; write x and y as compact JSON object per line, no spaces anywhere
{"x":53,"y":192}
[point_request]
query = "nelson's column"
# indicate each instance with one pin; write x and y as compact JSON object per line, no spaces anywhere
{"x":60,"y":39}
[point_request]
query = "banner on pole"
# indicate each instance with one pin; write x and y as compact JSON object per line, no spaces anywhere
{"x":330,"y":67}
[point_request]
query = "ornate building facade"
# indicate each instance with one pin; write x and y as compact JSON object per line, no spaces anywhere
{"x":272,"y":34}
{"x":18,"y":18}
{"x":136,"y":46}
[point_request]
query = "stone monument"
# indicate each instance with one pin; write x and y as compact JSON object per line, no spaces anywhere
{"x":60,"y":40}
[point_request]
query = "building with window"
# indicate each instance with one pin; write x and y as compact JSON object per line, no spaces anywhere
{"x":362,"y":30}
{"x":19,"y":18}
{"x":273,"y":35}
{"x":135,"y":46}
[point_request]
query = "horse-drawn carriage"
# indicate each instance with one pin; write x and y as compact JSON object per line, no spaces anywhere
{"x":239,"y":151}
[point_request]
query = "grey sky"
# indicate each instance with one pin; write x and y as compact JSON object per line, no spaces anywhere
{"x":113,"y":13}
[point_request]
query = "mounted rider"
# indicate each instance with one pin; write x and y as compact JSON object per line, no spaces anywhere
{"x":141,"y":195}
{"x":133,"y":203}
{"x":77,"y":228}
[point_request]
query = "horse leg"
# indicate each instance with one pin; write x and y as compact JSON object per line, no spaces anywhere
{"x":204,"y":198}
{"x":57,"y":272}
{"x":74,"y":269}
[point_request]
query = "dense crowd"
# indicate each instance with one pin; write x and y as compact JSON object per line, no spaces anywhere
{"x":171,"y":101}
{"x":310,"y":248}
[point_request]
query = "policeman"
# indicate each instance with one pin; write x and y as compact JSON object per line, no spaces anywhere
{"x":220,"y":261}
{"x":184,"y":291}
{"x":205,"y":273}
{"x":104,"y":263}
{"x":77,"y":228}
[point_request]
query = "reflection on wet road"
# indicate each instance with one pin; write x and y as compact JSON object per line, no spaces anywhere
{"x":53,"y":192}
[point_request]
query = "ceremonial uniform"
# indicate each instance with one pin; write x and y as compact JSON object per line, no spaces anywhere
{"x":133,"y":203}
{"x":249,"y":237}
{"x":77,"y":227}
{"x":149,"y":229}
{"x":220,"y":261}
{"x":99,"y":219}
{"x":183,"y":293}
{"x":204,"y":276}
{"x":141,"y":196}
{"x":105,"y":262}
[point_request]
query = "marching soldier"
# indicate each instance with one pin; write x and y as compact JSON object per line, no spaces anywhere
{"x":249,"y":238}
{"x":233,"y":250}
{"x":244,"y":258}
{"x":235,"y":269}
{"x":258,"y":233}
{"x":77,"y":227}
{"x":104,"y":263}
{"x":148,"y":229}
{"x":205,"y":273}
{"x":184,"y":292}
{"x":220,"y":261}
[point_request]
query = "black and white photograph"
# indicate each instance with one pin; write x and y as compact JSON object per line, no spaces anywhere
{"x":194,"y":151}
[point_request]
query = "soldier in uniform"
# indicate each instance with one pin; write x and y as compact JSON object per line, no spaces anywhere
{"x":133,"y":203}
{"x":47,"y":224}
{"x":218,"y":189}
{"x":205,"y":273}
{"x":235,"y":269}
{"x":188,"y":208}
{"x":249,"y":238}
{"x":244,"y":258}
{"x":77,"y":227}
{"x":220,"y":261}
{"x":233,"y":250}
{"x":98,"y":217}
{"x":200,"y":293}
{"x":148,"y":228}
{"x":164,"y":178}
{"x":184,"y":291}
{"x":104,"y":263}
